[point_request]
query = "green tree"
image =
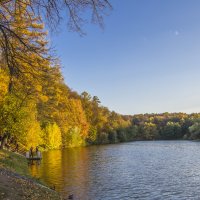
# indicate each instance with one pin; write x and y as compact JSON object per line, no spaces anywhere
{"x":73,"y":138}
{"x":20,"y":120}
{"x":195,"y":130}
{"x":150,"y":131}
{"x":172,"y":130}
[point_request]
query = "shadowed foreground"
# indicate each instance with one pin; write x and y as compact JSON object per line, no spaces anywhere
{"x":16,"y":187}
{"x":16,"y":183}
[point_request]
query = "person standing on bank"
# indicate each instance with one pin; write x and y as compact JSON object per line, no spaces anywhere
{"x":31,"y":152}
{"x":38,"y":154}
{"x":36,"y":150}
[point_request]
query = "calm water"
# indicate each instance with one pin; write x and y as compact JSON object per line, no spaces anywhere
{"x":138,"y":170}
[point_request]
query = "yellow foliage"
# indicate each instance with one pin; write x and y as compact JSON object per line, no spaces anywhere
{"x":44,"y":98}
{"x":52,"y":136}
{"x":4,"y":80}
{"x":33,"y":138}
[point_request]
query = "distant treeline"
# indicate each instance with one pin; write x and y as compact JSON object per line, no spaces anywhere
{"x":166,"y":126}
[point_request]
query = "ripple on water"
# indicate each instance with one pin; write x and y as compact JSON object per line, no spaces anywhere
{"x":137,"y":170}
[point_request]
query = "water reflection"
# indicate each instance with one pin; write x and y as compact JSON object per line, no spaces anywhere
{"x":144,"y":170}
{"x":67,"y":170}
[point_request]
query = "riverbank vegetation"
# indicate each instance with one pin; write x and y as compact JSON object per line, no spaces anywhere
{"x":37,"y":108}
{"x":14,"y":162}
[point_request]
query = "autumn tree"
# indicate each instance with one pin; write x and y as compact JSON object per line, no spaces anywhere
{"x":23,"y":72}
{"x":51,"y":136}
{"x":19,"y":19}
{"x":23,"y":46}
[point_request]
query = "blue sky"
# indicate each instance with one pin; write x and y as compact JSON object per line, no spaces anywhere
{"x":146,"y":60}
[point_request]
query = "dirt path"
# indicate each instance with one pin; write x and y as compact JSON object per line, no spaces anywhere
{"x":15,"y":187}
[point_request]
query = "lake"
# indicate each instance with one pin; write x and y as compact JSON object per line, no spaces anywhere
{"x":136,"y":170}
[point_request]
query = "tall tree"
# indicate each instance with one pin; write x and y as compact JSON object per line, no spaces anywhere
{"x":23,"y":45}
{"x":17,"y":19}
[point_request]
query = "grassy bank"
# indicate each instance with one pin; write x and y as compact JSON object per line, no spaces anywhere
{"x":14,"y":162}
{"x":17,"y":183}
